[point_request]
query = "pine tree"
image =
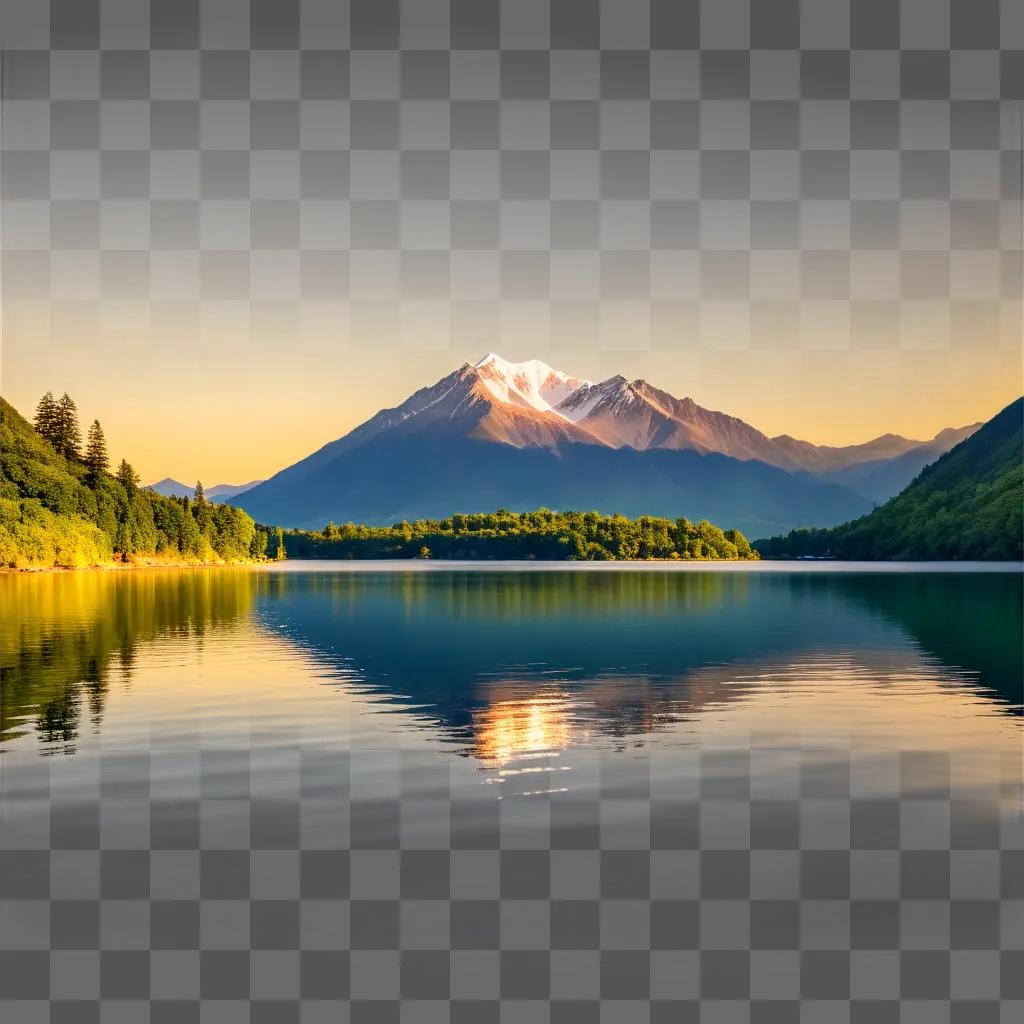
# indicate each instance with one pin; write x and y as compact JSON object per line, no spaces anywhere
{"x":127,"y":477}
{"x":68,"y":435}
{"x":201,"y":511}
{"x":46,"y":418}
{"x":96,"y":460}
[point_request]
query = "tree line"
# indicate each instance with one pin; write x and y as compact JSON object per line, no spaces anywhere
{"x":60,"y":504}
{"x":542,"y":534}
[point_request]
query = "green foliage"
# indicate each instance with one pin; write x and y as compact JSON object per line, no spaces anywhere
{"x":967,"y":505}
{"x":58,"y":511}
{"x":96,"y":459}
{"x":576,"y":536}
{"x":201,"y":510}
{"x":68,"y":436}
{"x":46,"y":419}
{"x":258,"y":547}
{"x":31,"y":534}
{"x":127,"y":477}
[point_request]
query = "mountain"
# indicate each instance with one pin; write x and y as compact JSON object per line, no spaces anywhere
{"x":621,"y":413}
{"x":521,"y":435}
{"x":969,"y":504}
{"x":220,"y":492}
{"x":171,"y":488}
{"x":879,"y":479}
{"x":618,"y":413}
{"x":823,"y":458}
{"x":518,"y":435}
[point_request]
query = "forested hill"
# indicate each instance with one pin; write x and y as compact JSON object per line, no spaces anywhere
{"x":967,"y":505}
{"x":61,"y":506}
{"x":543,"y":534}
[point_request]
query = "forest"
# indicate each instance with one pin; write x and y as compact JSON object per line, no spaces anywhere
{"x":543,"y":534}
{"x":61,"y":506}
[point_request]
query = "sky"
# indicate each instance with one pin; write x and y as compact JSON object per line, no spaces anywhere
{"x":233,"y":231}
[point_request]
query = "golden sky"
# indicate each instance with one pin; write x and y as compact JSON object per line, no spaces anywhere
{"x":249,"y":404}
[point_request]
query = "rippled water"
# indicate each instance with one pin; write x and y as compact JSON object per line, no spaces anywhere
{"x":710,"y":762}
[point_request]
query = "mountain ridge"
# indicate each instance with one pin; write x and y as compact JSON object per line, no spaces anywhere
{"x":507,"y":398}
{"x":168,"y":487}
{"x":616,"y":446}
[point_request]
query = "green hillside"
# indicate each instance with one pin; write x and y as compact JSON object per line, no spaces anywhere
{"x":61,"y":507}
{"x":967,"y":505}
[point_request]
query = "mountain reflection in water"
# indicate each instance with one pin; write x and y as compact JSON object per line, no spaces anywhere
{"x":511,"y":667}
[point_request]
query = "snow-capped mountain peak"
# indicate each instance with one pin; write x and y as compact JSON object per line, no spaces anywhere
{"x":532,"y":384}
{"x":585,"y":399}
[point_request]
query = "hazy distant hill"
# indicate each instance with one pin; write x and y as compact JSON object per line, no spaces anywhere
{"x":969,"y":504}
{"x":880,"y":479}
{"x":171,"y":488}
{"x":221,"y":492}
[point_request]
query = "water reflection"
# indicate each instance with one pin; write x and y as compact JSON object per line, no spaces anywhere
{"x":635,"y":652}
{"x":522,"y":729}
{"x":66,"y":639}
{"x":652,"y":770}
{"x":504,"y":666}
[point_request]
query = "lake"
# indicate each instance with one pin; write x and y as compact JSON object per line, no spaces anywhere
{"x":522,"y":793}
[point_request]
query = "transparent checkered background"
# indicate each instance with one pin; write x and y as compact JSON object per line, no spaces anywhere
{"x":753,"y":883}
{"x":722,"y":175}
{"x":675,"y":174}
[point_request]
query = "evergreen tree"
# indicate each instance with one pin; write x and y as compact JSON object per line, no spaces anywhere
{"x":201,"y":511}
{"x":96,"y":460}
{"x":46,"y":418}
{"x":68,"y":435}
{"x":127,"y":478}
{"x":280,"y":554}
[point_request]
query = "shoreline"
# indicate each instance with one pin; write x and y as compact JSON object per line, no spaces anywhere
{"x":122,"y":567}
{"x":406,"y":565}
{"x":738,"y":567}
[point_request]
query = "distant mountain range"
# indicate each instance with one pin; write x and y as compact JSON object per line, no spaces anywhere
{"x":520,"y":435}
{"x":171,"y":488}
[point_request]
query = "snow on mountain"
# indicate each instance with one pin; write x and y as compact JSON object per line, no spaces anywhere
{"x":533,"y":384}
{"x":533,"y":404}
{"x":455,"y":442}
{"x":586,"y":398}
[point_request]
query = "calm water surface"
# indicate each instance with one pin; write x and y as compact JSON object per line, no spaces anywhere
{"x":548,"y":788}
